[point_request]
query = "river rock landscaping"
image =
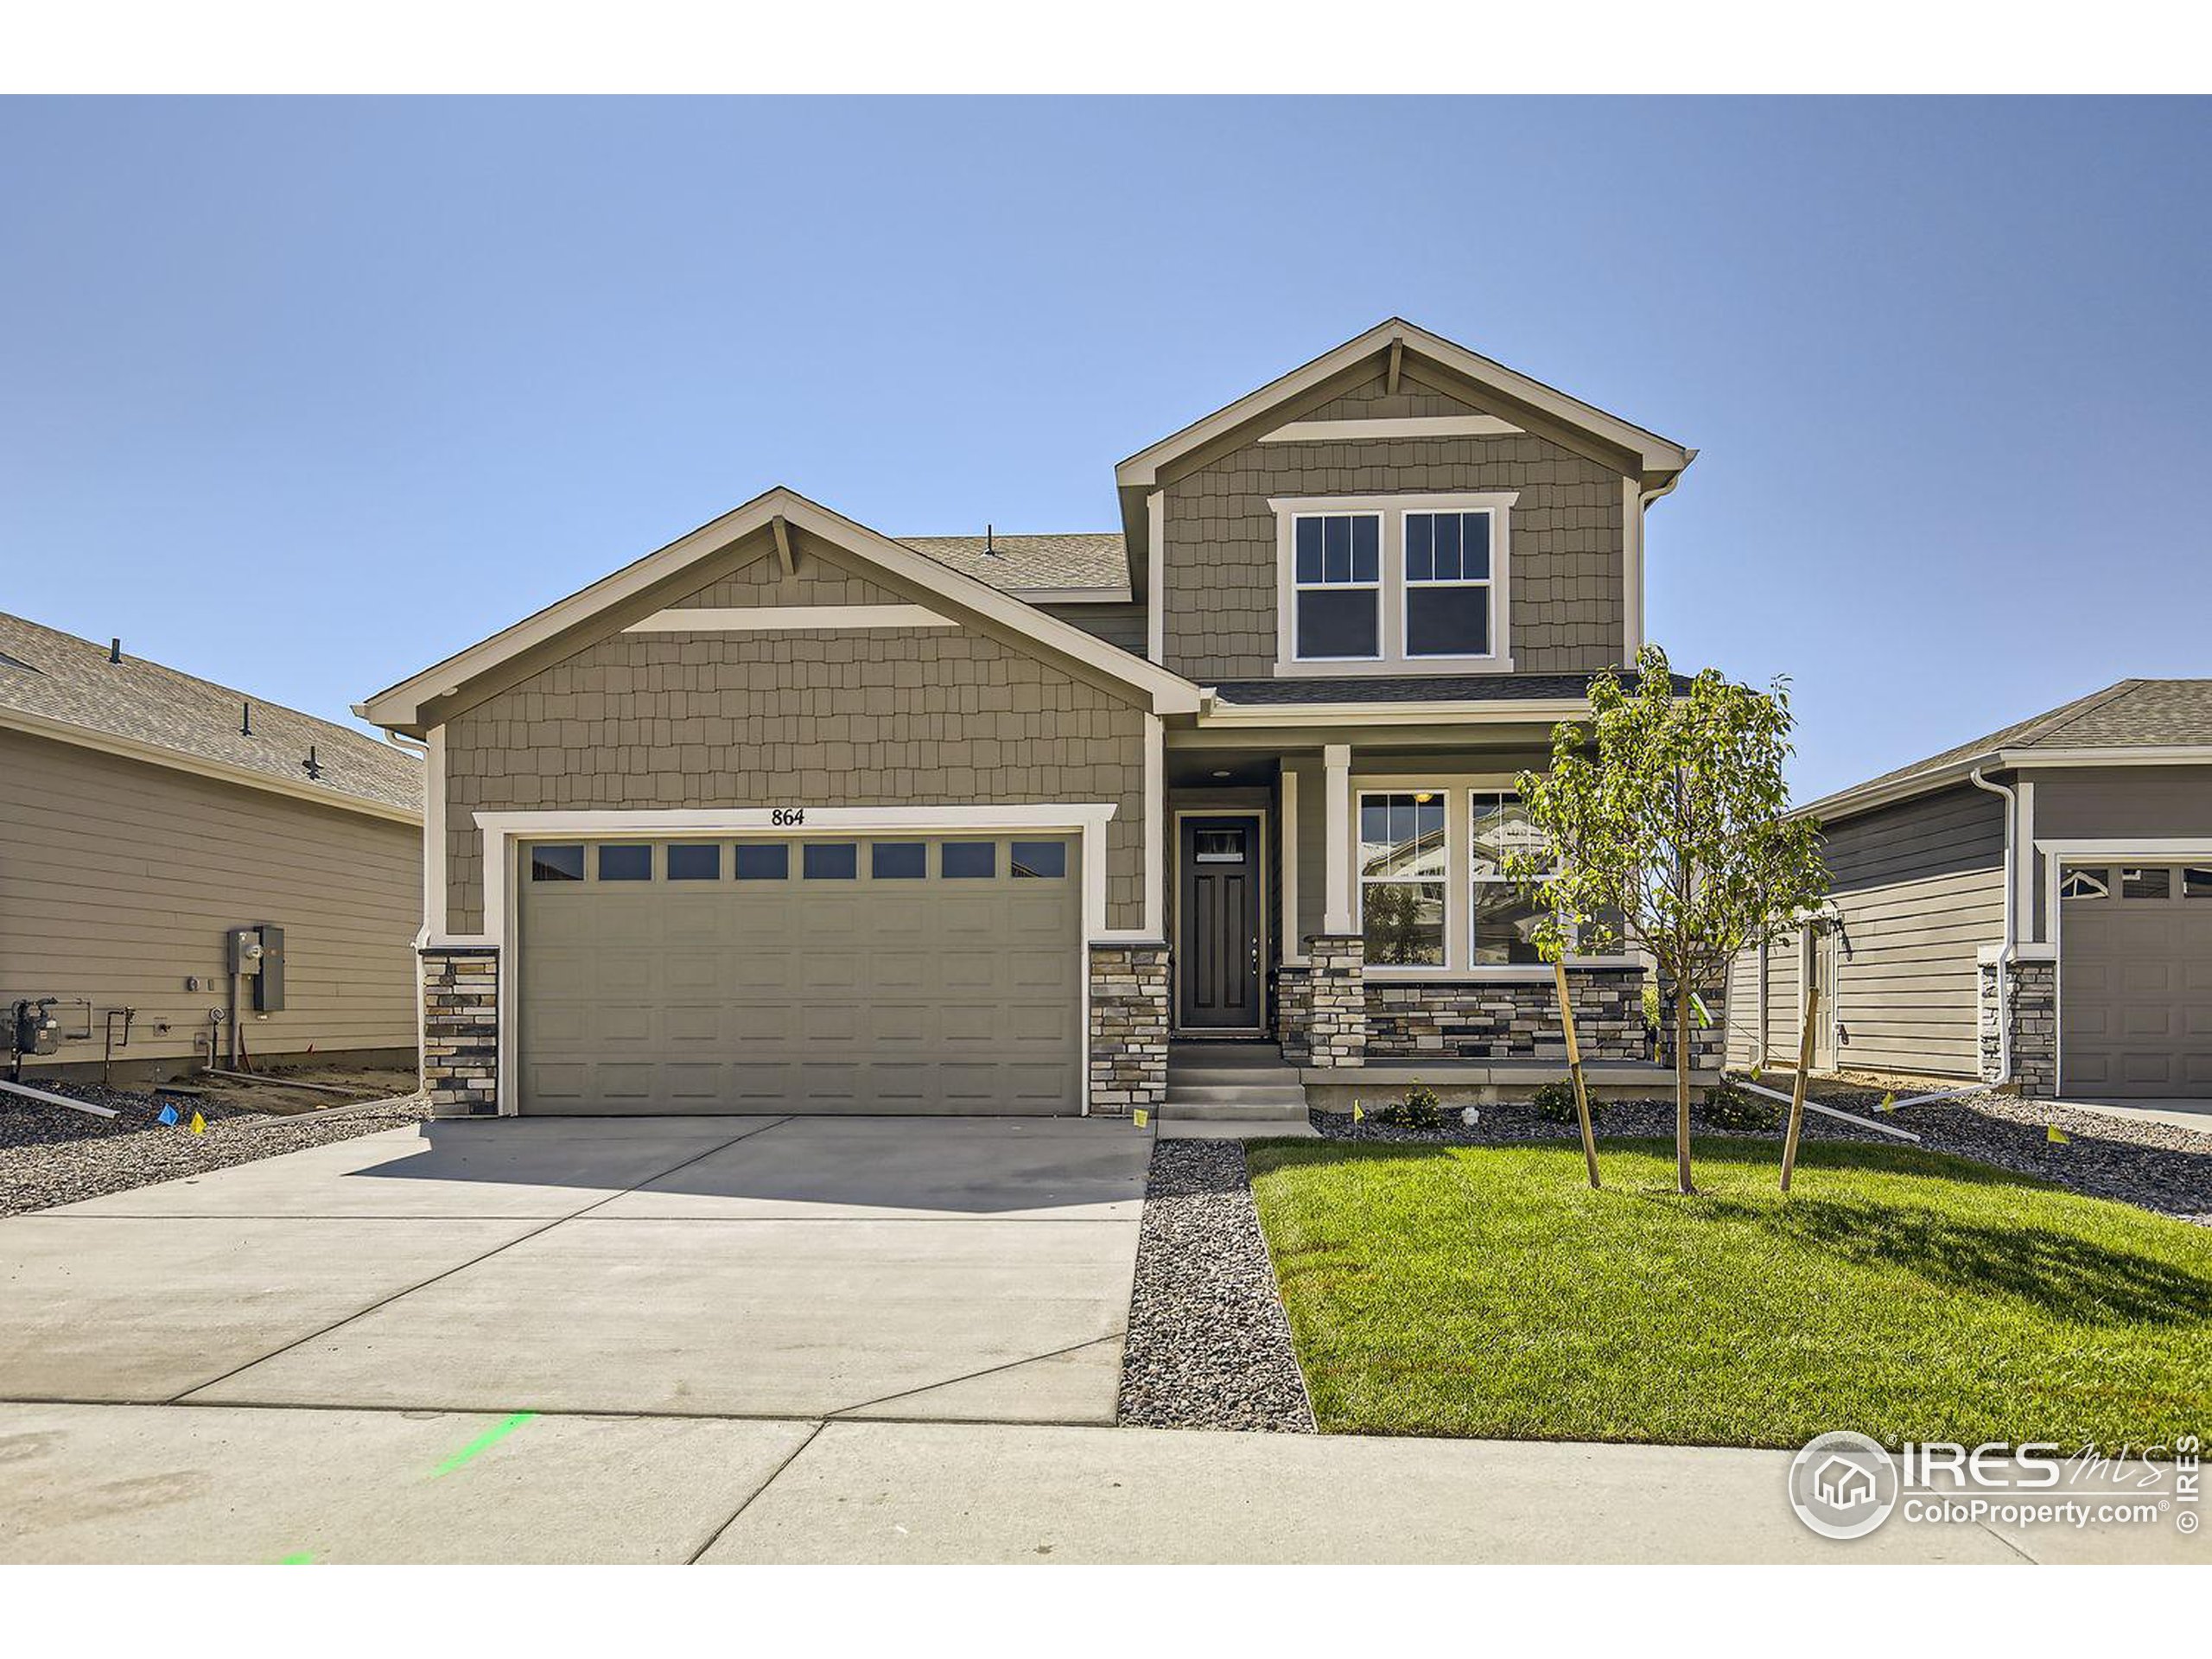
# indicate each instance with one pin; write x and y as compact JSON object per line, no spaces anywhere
{"x":50,"y":1155}
{"x":1208,"y":1343}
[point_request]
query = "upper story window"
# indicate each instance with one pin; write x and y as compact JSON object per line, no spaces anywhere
{"x":1447,"y":584}
{"x":1412,"y":583}
{"x":1336,"y":575}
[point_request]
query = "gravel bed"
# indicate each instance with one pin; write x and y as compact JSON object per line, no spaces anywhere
{"x":1209,"y":1346}
{"x":51,"y":1155}
{"x":2154,"y":1165}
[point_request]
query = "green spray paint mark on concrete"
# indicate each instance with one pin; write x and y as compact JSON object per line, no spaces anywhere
{"x":305,"y":1558}
{"x":484,"y":1442}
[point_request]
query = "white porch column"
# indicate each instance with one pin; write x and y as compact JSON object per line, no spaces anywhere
{"x":1336,"y":763}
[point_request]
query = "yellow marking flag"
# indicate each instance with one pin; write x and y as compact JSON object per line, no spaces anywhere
{"x":1890,"y":1101}
{"x":1143,"y":1117}
{"x":2056,"y":1136}
{"x":1359,"y":1112}
{"x":199,"y":1125}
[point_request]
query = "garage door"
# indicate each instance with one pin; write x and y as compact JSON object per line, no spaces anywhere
{"x":816,"y":975}
{"x":2135,"y":981}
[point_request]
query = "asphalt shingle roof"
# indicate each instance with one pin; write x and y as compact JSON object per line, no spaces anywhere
{"x":1417,"y":688}
{"x":1075,"y":559}
{"x":2131,"y":713}
{"x":62,"y":678}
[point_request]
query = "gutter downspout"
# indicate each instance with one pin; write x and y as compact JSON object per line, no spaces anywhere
{"x":2009,"y":951}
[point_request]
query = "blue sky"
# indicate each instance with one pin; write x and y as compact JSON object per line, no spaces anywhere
{"x":303,"y":396}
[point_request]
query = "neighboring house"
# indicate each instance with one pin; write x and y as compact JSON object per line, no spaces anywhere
{"x":2060,"y":869}
{"x":148,"y":816}
{"x":793,"y":816}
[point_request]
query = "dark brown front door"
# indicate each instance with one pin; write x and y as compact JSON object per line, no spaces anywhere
{"x":1218,"y":952}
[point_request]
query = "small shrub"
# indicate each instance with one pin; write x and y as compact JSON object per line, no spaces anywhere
{"x":1420,"y":1109}
{"x":1730,"y":1107}
{"x":1554,"y":1101}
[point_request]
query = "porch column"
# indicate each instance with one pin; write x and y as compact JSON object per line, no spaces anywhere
{"x":1336,"y":762}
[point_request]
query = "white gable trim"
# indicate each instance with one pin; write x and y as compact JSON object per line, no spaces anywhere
{"x":776,"y":619}
{"x":1653,"y":452}
{"x":400,"y":707}
{"x":1412,"y":426}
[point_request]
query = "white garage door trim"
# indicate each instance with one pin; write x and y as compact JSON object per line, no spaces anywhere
{"x":504,"y":832}
{"x":2139,"y":849}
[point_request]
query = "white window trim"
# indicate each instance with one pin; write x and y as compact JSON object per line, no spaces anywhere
{"x":1391,"y":624}
{"x":1362,"y":789}
{"x":1459,"y":788}
{"x":1377,"y":587}
{"x":1492,"y":881}
{"x":1490,"y":585}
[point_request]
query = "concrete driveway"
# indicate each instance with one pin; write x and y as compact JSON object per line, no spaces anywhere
{"x":789,"y":1267}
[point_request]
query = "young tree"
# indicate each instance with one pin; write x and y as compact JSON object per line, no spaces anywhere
{"x":1664,"y":818}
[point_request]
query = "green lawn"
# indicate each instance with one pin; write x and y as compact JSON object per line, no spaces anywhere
{"x":1487,"y":1291}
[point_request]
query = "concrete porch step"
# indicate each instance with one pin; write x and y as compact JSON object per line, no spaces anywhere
{"x":1231,"y":1110}
{"x":1215,"y":1129}
{"x":1287,"y":1092}
{"x":1214,"y":1057}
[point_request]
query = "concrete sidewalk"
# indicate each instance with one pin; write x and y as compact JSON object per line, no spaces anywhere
{"x":155,"y":1483}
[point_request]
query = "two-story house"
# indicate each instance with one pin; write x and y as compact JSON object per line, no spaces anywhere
{"x":792,"y":815}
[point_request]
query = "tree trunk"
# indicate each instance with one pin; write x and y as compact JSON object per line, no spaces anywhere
{"x":1682,"y":1089}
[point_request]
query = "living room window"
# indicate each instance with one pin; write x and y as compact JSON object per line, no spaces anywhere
{"x":1413,"y":583}
{"x":1336,"y":575}
{"x":1404,"y":865}
{"x":1505,"y":911}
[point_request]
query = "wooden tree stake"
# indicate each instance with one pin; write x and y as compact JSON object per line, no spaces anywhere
{"x":1797,"y":1090}
{"x":1574,"y":1072}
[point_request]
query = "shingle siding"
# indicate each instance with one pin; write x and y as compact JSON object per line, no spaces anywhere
{"x":1218,"y":564}
{"x":891,"y":717}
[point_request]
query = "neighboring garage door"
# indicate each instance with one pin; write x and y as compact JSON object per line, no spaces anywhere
{"x":2135,"y":981}
{"x":855,"y":975}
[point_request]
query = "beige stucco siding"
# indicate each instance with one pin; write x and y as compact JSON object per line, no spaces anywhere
{"x":1219,"y":563}
{"x":1920,"y":889}
{"x":119,"y":878}
{"x":868,"y":717}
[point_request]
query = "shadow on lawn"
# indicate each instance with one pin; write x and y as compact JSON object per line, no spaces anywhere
{"x":2062,"y":1274}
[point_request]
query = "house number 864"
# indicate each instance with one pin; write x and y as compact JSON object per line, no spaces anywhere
{"x":784,"y":816}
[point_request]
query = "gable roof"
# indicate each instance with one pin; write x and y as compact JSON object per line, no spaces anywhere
{"x":55,"y":685}
{"x":1660,"y":458}
{"x":400,"y":708}
{"x":1658,"y":461}
{"x":1094,"y":563}
{"x":2127,"y":716}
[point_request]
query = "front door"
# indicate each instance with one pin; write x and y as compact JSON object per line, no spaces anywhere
{"x":1218,"y":955}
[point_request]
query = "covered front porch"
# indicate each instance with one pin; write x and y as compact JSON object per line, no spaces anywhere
{"x":1336,"y":890}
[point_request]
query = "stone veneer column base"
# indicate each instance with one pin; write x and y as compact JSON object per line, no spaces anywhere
{"x":1506,"y":1019}
{"x":2033,"y":987}
{"x":1129,"y":1028}
{"x":461,"y":1028}
{"x":1335,"y":1000}
{"x":1294,"y":1009}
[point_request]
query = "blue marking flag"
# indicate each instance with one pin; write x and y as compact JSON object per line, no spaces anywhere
{"x":167,"y":1115}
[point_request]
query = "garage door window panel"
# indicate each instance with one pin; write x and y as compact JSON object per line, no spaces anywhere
{"x":831,"y":861}
{"x":969,"y":861}
{"x":1040,"y":860}
{"x":695,"y":862}
{"x":2153,"y":884}
{"x":626,"y":862}
{"x":556,"y":863}
{"x":898,"y":861}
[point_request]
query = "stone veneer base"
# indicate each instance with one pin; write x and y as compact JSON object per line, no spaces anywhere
{"x":2034,"y":995}
{"x":1129,"y":1028}
{"x":461,"y":1029}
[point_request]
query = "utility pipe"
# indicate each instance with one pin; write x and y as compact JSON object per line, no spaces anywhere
{"x":2007,"y":952}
